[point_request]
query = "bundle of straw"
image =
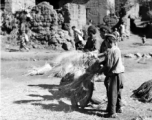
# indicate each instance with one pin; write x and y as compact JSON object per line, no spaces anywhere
{"x":144,"y":92}
{"x":80,"y":89}
{"x":62,"y":64}
{"x":40,"y":70}
{"x":70,"y":62}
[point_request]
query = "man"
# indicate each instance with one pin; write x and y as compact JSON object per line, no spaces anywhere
{"x":104,"y":30}
{"x":23,"y":41}
{"x":78,"y":38}
{"x":113,"y":70}
{"x":144,"y":39}
{"x":93,"y":43}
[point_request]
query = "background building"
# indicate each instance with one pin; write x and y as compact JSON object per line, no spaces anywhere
{"x":77,"y":12}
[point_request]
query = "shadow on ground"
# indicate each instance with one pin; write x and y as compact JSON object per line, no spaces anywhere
{"x":60,"y":106}
{"x":12,"y":50}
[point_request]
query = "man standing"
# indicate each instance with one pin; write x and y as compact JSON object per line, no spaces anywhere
{"x":113,"y":70}
{"x":23,"y":41}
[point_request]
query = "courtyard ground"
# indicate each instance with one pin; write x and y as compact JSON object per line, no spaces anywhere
{"x":35,"y":98}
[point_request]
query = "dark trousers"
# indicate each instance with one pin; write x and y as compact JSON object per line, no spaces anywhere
{"x":79,"y":45}
{"x":114,"y":85}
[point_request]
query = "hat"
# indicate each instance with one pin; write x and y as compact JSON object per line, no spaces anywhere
{"x":110,"y":35}
{"x":105,"y":28}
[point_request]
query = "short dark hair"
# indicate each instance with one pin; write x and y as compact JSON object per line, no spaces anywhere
{"x":110,"y":39}
{"x":92,"y":30}
{"x":73,"y":27}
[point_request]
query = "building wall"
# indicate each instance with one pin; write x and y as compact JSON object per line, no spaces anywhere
{"x":97,"y":9}
{"x":8,"y":5}
{"x":132,"y":13}
{"x":15,"y":5}
{"x":75,"y":14}
{"x":79,"y":11}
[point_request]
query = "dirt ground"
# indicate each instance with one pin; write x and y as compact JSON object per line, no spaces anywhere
{"x":35,"y":98}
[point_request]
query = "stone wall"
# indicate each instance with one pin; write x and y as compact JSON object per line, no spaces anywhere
{"x":97,"y":9}
{"x":74,"y":14}
{"x":15,"y":5}
{"x":77,"y":12}
{"x":132,"y":13}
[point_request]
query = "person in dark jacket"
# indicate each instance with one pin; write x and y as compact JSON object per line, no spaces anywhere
{"x":93,"y":43}
{"x":113,"y":70}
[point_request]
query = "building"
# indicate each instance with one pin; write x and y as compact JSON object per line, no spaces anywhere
{"x":15,"y":5}
{"x":97,"y":9}
{"x":78,"y":11}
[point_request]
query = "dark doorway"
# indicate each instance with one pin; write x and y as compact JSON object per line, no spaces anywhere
{"x":2,"y":4}
{"x":55,"y":3}
{"x":2,"y":1}
{"x":143,"y":13}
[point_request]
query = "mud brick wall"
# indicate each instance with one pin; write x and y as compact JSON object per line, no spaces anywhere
{"x":16,"y":5}
{"x":77,"y":12}
{"x":97,"y":9}
{"x":74,"y":14}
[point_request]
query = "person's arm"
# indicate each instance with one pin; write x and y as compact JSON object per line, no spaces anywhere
{"x":78,"y":32}
{"x":101,"y":54}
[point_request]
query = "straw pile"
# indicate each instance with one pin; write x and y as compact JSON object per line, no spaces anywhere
{"x":78,"y":71}
{"x":144,"y":92}
{"x":64,"y":63}
{"x":40,"y":70}
{"x":78,"y":84}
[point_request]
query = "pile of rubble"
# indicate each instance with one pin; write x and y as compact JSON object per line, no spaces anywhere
{"x":44,"y":28}
{"x":46,"y":24}
{"x":44,"y":17}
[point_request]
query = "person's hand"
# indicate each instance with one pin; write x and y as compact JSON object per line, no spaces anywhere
{"x":92,"y":54}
